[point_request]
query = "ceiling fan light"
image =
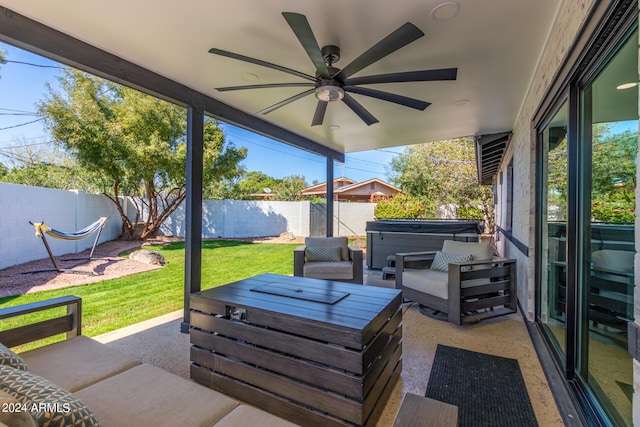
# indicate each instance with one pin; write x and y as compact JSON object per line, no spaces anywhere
{"x":627,"y":85}
{"x":328,"y":93}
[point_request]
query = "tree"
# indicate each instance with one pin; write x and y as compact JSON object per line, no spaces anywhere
{"x":134,"y":143}
{"x":60,"y":176}
{"x":399,"y":206}
{"x":443,"y":172}
{"x":254,"y":182}
{"x":41,"y":164}
{"x":613,"y":174}
{"x":614,"y":162}
{"x":290,"y":188}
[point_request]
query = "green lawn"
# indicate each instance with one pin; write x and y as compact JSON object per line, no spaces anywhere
{"x":116,"y":303}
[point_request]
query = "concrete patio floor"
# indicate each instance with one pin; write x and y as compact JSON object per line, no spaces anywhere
{"x":159,"y":342}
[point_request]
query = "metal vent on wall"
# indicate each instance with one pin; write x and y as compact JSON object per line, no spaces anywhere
{"x":489,"y":152}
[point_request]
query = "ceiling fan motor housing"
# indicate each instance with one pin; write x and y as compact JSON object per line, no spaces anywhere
{"x":331,"y":54}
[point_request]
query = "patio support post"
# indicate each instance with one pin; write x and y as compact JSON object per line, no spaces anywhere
{"x":193,"y":209}
{"x":329,"y":197}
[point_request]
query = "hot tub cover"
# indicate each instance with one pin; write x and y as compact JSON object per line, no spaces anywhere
{"x":422,"y":226}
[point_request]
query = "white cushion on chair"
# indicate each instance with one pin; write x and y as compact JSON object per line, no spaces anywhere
{"x":430,"y":282}
{"x":342,"y":270}
{"x":479,"y":251}
{"x":612,"y":259}
{"x":434,"y":282}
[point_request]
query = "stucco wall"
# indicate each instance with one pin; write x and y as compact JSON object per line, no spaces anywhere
{"x":63,"y":210}
{"x":351,"y":218}
{"x":70,"y":211}
{"x":569,"y":18}
{"x":243,"y":218}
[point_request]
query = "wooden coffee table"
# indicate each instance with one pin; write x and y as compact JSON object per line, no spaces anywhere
{"x":315,"y":352}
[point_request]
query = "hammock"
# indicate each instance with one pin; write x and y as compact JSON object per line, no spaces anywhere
{"x":78,"y":235}
{"x":92,"y":228}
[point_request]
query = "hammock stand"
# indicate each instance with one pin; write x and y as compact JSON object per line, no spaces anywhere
{"x":92,"y":228}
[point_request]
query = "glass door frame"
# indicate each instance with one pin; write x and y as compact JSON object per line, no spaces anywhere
{"x":611,"y":26}
{"x":541,"y":270}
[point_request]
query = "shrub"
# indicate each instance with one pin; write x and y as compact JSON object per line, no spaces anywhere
{"x":607,"y":211}
{"x":469,"y":212}
{"x":400,"y":206}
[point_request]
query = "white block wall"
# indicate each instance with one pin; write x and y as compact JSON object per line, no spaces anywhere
{"x":66,"y":211}
{"x":244,"y":218}
{"x":351,"y":218}
{"x":70,"y":211}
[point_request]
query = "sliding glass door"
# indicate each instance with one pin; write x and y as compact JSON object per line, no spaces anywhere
{"x":606,"y":211}
{"x":587,"y":163}
{"x":553,"y":174}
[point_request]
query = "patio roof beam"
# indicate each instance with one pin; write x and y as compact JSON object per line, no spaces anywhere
{"x":330,"y":193}
{"x":193,"y":210}
{"x":31,"y":35}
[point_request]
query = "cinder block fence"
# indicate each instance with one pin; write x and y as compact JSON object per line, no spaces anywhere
{"x":73,"y":210}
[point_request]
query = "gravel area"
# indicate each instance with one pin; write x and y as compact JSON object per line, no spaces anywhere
{"x":104,"y":265}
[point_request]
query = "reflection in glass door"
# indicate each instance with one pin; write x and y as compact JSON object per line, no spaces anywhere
{"x":609,"y":147}
{"x":553,"y":228}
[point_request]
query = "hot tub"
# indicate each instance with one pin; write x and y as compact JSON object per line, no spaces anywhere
{"x":387,"y":237}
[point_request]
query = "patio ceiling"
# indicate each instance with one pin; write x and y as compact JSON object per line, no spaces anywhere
{"x":494,"y":44}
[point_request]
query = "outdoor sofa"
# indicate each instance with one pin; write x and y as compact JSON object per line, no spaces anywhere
{"x":79,"y":381}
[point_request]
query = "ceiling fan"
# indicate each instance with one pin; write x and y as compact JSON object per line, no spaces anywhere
{"x":333,"y":84}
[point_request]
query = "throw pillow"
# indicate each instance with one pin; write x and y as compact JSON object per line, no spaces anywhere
{"x":323,"y":254}
{"x":48,"y":404}
{"x":442,"y":259}
{"x":9,"y":358}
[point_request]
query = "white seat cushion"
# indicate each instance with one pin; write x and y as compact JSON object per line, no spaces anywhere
{"x":342,"y":270}
{"x":434,"y":282}
{"x":479,"y":251}
{"x":149,"y":396}
{"x":613,"y":260}
{"x":77,"y":363}
{"x":430,"y":282}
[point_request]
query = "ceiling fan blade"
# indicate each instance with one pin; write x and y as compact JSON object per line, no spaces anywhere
{"x":362,"y":112}
{"x":391,"y":97}
{"x":263,"y":86}
{"x":318,"y":116}
{"x":301,"y":28}
{"x":286,"y":101}
{"x":401,"y":37}
{"x":410,"y":76}
{"x":260,"y":62}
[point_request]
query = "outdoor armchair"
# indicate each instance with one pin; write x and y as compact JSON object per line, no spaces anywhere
{"x":330,"y":258}
{"x":611,"y":287}
{"x":463,"y":282}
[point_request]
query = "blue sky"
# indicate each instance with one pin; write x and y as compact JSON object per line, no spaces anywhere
{"x":22,"y":86}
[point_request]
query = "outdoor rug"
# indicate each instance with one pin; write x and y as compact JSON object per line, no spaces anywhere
{"x":488,"y":390}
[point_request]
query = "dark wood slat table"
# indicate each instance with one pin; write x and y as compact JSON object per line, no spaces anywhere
{"x":315,"y":352}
